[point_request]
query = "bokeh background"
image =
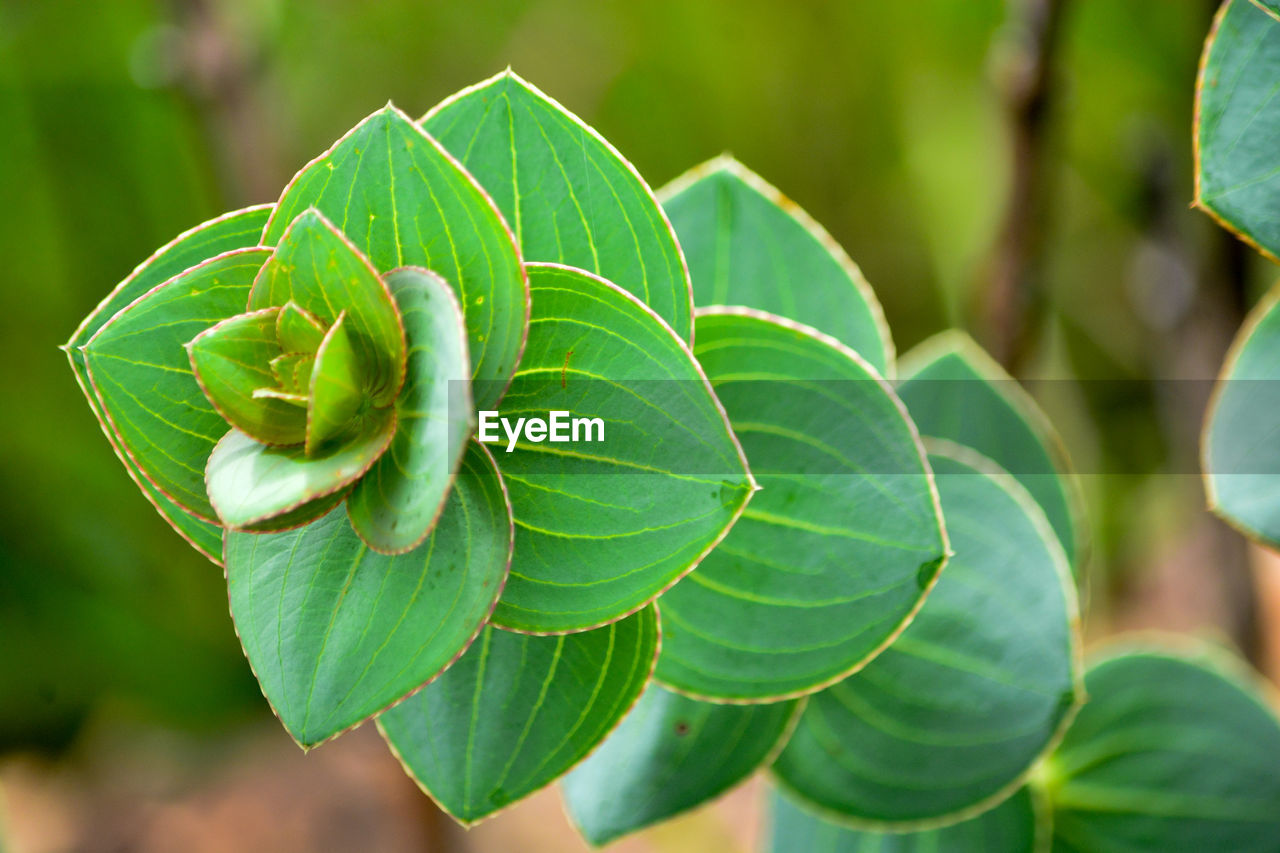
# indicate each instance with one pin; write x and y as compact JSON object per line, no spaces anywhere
{"x":1020,"y":168}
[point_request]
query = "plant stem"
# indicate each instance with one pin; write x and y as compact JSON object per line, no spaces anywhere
{"x":1013,"y":300}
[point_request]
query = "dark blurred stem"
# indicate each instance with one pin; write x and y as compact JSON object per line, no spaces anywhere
{"x":1013,"y":302}
{"x":219,"y":72}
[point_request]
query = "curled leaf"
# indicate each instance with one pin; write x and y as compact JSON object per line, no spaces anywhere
{"x":232,"y":360}
{"x":395,"y":505}
{"x":250,"y":482}
{"x":317,"y":268}
{"x":335,"y":393}
{"x":297,"y":330}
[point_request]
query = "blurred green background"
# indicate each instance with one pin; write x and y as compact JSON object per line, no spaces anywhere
{"x":905,"y":128}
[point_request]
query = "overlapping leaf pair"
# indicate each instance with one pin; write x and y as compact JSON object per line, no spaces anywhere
{"x":294,"y":388}
{"x":1237,"y":118}
{"x":309,"y":378}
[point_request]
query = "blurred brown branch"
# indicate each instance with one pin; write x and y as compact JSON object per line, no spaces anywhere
{"x":1013,"y":301}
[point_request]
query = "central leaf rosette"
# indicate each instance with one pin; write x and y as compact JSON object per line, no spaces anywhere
{"x":309,"y":378}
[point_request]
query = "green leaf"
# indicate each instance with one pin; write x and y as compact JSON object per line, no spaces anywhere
{"x":394,"y":506}
{"x":748,"y":244}
{"x":250,"y":482}
{"x":1271,"y":7}
{"x":239,"y":229}
{"x":955,"y":391}
{"x":287,"y":369}
{"x":142,"y":376}
{"x":292,"y":397}
{"x":516,"y":712}
{"x":1237,"y":121}
{"x":671,"y":754}
{"x":236,"y":230}
{"x":204,"y":536}
{"x":297,"y":330}
{"x":1241,"y":455}
{"x":318,"y":268}
{"x":569,"y":195}
{"x":949,"y":720}
{"x":607,"y":526}
{"x":297,"y":517}
{"x":336,"y":633}
{"x":335,"y":394}
{"x":1175,"y":751}
{"x":231,"y":360}
{"x":1012,"y":827}
{"x":405,"y":202}
{"x":840,"y":547}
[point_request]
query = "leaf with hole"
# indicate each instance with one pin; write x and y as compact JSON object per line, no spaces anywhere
{"x":568,"y":194}
{"x":949,"y":720}
{"x":749,"y":245}
{"x":394,"y":506}
{"x":336,"y":632}
{"x":405,"y":201}
{"x":840,"y":546}
{"x":955,"y":391}
{"x":1176,"y":751}
{"x":141,"y":374}
{"x":516,"y":712}
{"x":671,"y":754}
{"x":251,"y":482}
{"x":316,"y":267}
{"x":607,"y":526}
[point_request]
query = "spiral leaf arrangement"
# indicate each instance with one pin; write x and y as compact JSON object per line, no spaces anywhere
{"x":763,"y":564}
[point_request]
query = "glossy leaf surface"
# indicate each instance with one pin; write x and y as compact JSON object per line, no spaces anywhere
{"x":957,"y":392}
{"x":516,"y":712}
{"x":843,"y":541}
{"x":1237,"y":119}
{"x":336,"y":391}
{"x":670,"y":754}
{"x":1175,"y":752}
{"x":395,"y":504}
{"x":749,"y":245}
{"x":239,"y":229}
{"x":336,"y":632}
{"x":319,"y":269}
{"x":250,"y":482}
{"x":951,"y":717}
{"x":1241,"y":456}
{"x":405,"y":202}
{"x":232,"y":360}
{"x":1010,"y":827}
{"x":143,"y":377}
{"x":568,"y":195}
{"x":298,"y":330}
{"x":606,"y":526}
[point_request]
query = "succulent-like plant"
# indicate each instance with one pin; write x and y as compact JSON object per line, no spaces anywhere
{"x":745,"y":570}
